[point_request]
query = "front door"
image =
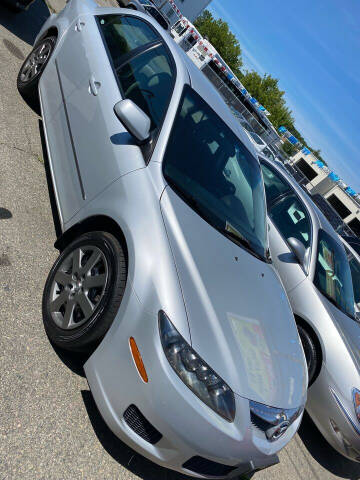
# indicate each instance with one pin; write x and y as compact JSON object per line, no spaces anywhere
{"x":100,"y":142}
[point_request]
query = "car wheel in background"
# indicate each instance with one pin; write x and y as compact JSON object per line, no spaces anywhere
{"x":31,"y":70}
{"x":83,"y":291}
{"x":311,"y":353}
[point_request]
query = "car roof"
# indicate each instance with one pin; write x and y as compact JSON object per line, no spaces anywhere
{"x":318,"y":218}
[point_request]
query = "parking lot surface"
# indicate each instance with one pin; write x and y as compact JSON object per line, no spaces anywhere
{"x":49,"y":425}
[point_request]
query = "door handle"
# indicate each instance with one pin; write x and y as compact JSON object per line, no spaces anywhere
{"x":79,"y":26}
{"x":94,"y":86}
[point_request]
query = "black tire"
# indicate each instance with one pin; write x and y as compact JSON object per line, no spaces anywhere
{"x":28,"y":88}
{"x":87,"y":335}
{"x":311,"y":353}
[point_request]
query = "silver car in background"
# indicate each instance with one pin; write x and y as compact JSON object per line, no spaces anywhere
{"x":147,"y":6}
{"x":164,"y":248}
{"x":313,"y":266}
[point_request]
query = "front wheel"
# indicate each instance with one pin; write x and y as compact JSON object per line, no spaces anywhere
{"x":31,"y":70}
{"x":311,"y":353}
{"x":83,"y":291}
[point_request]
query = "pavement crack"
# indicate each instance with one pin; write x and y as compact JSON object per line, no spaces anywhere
{"x":23,"y":151}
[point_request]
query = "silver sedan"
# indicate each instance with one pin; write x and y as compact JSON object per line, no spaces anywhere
{"x":313,"y":266}
{"x":160,"y":208}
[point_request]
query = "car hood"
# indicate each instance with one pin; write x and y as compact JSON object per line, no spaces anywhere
{"x":239,"y":316}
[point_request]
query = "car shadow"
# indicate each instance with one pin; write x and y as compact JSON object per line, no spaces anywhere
{"x":74,"y":361}
{"x":26,"y":24}
{"x":324,"y":453}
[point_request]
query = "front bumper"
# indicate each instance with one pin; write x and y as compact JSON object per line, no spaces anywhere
{"x":334,"y":416}
{"x":188,"y":427}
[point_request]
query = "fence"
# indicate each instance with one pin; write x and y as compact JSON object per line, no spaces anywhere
{"x":269,"y":137}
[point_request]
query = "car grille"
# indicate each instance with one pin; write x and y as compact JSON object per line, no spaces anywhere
{"x":202,"y":466}
{"x":142,"y":427}
{"x":258,"y":422}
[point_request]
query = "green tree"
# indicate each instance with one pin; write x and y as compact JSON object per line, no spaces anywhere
{"x":266,"y":90}
{"x":289,"y":149}
{"x":225,"y":42}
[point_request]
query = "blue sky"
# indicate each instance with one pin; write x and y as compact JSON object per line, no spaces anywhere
{"x":313,"y":47}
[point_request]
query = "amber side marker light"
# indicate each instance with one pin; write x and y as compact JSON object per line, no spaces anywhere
{"x":138,"y":360}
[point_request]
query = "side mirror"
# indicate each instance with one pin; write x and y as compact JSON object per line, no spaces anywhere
{"x":134,"y":119}
{"x":357,"y":316}
{"x":298,"y":250}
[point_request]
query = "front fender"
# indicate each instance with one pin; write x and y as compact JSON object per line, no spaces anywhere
{"x":133,"y":204}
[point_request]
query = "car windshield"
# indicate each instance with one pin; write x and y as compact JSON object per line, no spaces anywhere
{"x":332,"y":275}
{"x":211,"y":169}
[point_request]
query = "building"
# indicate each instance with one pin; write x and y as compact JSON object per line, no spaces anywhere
{"x":189,"y":8}
{"x":322,"y":181}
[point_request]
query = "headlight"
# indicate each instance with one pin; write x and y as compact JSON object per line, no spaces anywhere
{"x":273,"y":421}
{"x":356,"y":400}
{"x":194,"y":372}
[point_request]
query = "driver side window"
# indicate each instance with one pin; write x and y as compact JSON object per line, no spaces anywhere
{"x":147,"y":80}
{"x":141,"y":63}
{"x":292,"y":219}
{"x":284,"y":208}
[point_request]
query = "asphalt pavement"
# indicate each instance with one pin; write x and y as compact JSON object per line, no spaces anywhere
{"x":49,"y":425}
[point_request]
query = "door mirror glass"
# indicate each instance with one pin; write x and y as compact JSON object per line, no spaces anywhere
{"x":298,"y":249}
{"x":134,"y":120}
{"x":357,"y":316}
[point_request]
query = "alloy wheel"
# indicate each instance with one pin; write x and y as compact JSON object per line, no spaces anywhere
{"x":34,"y":64}
{"x":78,"y":287}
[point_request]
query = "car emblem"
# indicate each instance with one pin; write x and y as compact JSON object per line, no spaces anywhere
{"x":277,"y":431}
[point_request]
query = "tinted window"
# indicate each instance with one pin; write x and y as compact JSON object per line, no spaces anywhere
{"x":147,"y":80}
{"x":180,"y":29}
{"x":275,"y":187}
{"x":332,"y":275}
{"x":355,"y":274}
{"x":292,"y":219}
{"x":215,"y":174}
{"x":124,"y":34}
